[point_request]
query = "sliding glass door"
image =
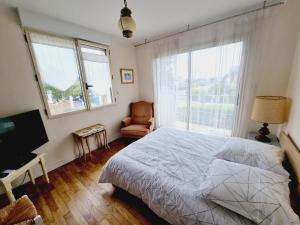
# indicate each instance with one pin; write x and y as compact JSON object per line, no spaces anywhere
{"x":182,"y":91}
{"x":206,"y":89}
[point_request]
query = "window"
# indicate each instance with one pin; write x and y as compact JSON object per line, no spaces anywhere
{"x":214,"y":88}
{"x":73,"y":75}
{"x":201,"y":87}
{"x":96,"y":69}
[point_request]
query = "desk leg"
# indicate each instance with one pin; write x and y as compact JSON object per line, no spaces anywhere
{"x":8,"y":192}
{"x":31,"y":176}
{"x":88,"y":146}
{"x":100,"y":139}
{"x":83,"y":152}
{"x":98,"y":136}
{"x":42,"y":163}
{"x":97,"y":141}
{"x":76,"y":142}
{"x":105,"y":138}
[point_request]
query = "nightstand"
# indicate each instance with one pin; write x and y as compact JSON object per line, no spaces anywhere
{"x":275,"y":141}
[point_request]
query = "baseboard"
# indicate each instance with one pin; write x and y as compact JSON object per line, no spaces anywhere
{"x":60,"y":163}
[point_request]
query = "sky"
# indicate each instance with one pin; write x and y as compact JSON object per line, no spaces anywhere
{"x":210,"y":62}
{"x":57,"y":65}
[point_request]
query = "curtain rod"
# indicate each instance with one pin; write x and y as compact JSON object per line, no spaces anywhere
{"x":265,"y":6}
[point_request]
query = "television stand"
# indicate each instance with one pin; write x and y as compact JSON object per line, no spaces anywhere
{"x":5,"y":182}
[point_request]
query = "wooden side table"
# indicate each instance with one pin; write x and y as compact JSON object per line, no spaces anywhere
{"x":275,"y":141}
{"x":5,"y":182}
{"x":81,"y":136}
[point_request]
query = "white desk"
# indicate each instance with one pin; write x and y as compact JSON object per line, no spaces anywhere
{"x":5,"y":182}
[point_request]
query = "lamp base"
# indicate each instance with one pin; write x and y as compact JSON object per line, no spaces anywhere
{"x":264,"y":139}
{"x":262,"y":134}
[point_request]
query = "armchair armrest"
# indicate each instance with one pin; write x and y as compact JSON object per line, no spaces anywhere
{"x":150,"y":125}
{"x":126,"y":121}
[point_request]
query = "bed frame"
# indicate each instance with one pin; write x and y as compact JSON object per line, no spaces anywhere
{"x":292,"y":156}
{"x":292,"y":164}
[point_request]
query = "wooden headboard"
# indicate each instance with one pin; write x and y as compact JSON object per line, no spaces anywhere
{"x":293,"y":157}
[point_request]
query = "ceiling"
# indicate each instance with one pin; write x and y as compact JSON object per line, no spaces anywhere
{"x":154,"y":18}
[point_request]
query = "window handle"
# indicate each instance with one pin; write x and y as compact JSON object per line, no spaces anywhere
{"x":87,"y":86}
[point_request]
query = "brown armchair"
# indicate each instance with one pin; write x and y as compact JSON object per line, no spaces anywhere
{"x":140,"y":122}
{"x":20,"y":212}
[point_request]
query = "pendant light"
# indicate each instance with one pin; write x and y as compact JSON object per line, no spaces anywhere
{"x":126,"y":23}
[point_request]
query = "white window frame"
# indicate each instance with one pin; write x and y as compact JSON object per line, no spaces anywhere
{"x":78,"y":55}
{"x":80,"y":43}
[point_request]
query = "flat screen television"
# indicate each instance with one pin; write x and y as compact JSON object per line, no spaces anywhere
{"x":20,"y":135}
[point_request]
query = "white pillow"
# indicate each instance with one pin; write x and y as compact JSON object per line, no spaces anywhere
{"x":259,"y":195}
{"x":252,"y":153}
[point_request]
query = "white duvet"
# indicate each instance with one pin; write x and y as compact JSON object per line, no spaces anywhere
{"x":165,"y":170}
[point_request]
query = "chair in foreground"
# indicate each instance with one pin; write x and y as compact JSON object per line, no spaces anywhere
{"x":20,"y":212}
{"x":140,"y":122}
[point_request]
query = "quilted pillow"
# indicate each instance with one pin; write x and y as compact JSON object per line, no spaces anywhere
{"x":259,"y":195}
{"x":252,"y":153}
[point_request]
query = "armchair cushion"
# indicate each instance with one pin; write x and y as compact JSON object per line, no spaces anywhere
{"x":141,"y":112}
{"x":17,"y":212}
{"x":137,"y":130}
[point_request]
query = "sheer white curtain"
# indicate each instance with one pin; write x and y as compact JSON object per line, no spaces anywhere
{"x":205,"y":79}
{"x":166,"y":90}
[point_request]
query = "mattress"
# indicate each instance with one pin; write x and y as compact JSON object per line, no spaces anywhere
{"x":165,"y":169}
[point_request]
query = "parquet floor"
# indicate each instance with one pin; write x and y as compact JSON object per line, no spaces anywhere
{"x":74,"y":196}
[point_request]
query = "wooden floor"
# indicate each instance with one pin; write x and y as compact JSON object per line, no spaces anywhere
{"x":75,"y":197}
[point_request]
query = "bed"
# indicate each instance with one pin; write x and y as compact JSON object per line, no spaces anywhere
{"x":165,"y":170}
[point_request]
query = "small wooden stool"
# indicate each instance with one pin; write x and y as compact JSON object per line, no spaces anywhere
{"x":82,"y":135}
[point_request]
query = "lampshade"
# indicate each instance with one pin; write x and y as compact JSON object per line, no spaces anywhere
{"x":269,"y":109}
{"x":126,"y":23}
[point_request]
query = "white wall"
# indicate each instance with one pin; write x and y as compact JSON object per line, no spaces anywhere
{"x":144,"y":55}
{"x":19,"y":91}
{"x":52,"y":25}
{"x":276,"y":60}
{"x":293,"y":92}
{"x":278,"y":54}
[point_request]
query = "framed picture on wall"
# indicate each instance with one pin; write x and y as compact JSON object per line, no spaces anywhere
{"x":127,"y":76}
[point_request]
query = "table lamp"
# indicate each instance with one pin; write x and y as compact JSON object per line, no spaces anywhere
{"x":268,"y":110}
